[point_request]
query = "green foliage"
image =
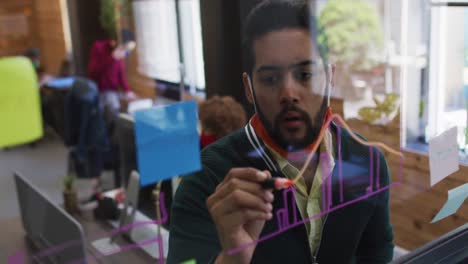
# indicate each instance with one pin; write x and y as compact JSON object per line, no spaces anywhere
{"x":382,"y":109}
{"x":68,"y":181}
{"x":369,"y":114}
{"x":388,"y":105}
{"x":108,"y":18}
{"x":354,"y":33}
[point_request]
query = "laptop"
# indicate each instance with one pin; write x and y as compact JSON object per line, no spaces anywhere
{"x":56,"y":236}
{"x":450,"y":248}
{"x":130,"y":216}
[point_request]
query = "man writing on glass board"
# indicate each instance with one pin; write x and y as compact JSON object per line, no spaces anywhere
{"x":225,"y":213}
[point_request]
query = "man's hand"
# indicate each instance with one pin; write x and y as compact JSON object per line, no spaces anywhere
{"x":239,"y":208}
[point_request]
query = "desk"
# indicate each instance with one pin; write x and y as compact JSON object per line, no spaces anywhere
{"x":13,"y":240}
{"x":53,"y":106}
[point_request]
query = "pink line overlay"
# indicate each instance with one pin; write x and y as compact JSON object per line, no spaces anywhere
{"x":18,"y":258}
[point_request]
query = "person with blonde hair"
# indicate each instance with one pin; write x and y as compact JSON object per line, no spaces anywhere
{"x":219,"y":116}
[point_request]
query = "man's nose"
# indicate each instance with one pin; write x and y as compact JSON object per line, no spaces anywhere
{"x":289,"y":90}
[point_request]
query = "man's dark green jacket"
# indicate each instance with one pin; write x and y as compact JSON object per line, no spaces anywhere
{"x":357,"y":228}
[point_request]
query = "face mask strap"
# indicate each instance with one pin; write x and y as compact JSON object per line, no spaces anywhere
{"x":251,"y":91}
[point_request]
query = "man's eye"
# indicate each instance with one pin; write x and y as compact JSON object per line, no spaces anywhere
{"x":270,"y":80}
{"x":305,"y":76}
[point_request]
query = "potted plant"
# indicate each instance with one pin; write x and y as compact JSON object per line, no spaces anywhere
{"x":383,"y":112}
{"x":70,"y":197}
{"x":354,"y":37}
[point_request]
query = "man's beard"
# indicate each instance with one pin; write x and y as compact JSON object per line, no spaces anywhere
{"x":312,"y":127}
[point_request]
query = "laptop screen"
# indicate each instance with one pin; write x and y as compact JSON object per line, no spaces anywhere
{"x":59,"y":237}
{"x":450,"y":248}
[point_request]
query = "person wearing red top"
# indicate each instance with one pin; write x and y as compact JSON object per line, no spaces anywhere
{"x":106,"y":67}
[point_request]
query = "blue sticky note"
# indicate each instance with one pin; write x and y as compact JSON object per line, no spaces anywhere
{"x":456,"y":197}
{"x":61,"y":83}
{"x":167,"y":141}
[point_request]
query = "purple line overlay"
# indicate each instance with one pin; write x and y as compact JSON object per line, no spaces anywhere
{"x":324,"y":192}
{"x":19,"y":257}
{"x":326,"y":181}
{"x":239,"y":249}
{"x":282,"y":215}
{"x":57,"y":249}
{"x":377,"y":180}
{"x":371,"y":166}
{"x":374,"y":174}
{"x":329,"y":173}
{"x":340,"y":168}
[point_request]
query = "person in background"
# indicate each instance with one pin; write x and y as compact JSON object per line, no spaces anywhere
{"x":34,"y":54}
{"x":219,"y":116}
{"x":106,"y":67}
{"x":66,"y":68}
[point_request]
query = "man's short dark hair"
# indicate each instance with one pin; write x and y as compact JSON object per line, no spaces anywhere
{"x":275,"y":15}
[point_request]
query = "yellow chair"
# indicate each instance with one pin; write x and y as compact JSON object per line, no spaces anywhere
{"x":20,"y":111}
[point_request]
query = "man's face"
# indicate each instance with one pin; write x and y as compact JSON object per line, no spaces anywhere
{"x":289,"y":84}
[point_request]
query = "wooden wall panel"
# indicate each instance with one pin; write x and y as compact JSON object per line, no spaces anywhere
{"x":11,"y":45}
{"x":45,"y":31}
{"x":51,"y":36}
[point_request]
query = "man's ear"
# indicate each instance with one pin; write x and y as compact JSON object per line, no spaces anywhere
{"x":248,"y":87}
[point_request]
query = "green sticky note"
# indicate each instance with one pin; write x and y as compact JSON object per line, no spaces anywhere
{"x":192,"y":261}
{"x":456,"y":198}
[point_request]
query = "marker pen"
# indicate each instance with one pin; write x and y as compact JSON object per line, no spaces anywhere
{"x":277,"y":183}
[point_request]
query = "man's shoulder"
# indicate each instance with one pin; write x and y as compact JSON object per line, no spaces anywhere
{"x":217,"y":159}
{"x":351,"y":146}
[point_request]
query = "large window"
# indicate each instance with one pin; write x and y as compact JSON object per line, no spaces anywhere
{"x":448,"y":75}
{"x":444,"y":93}
{"x":368,"y":61}
{"x":169,"y":36}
